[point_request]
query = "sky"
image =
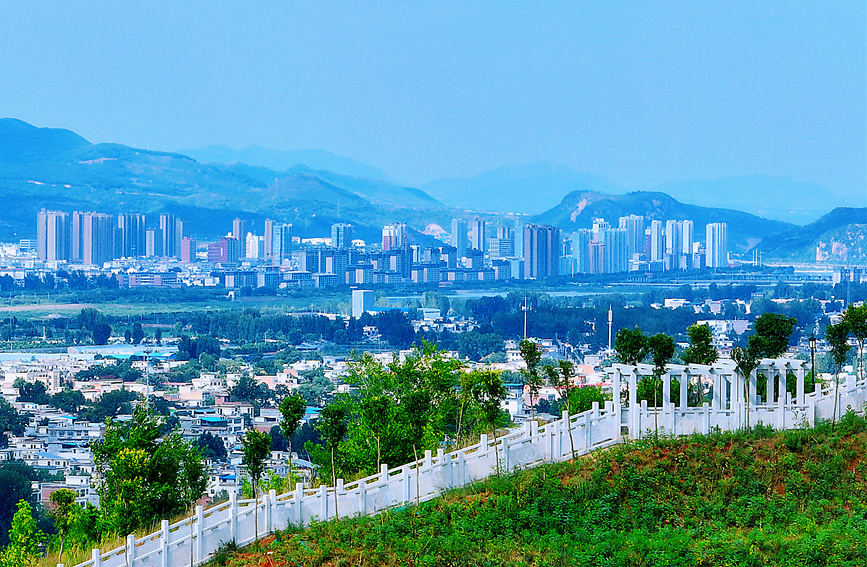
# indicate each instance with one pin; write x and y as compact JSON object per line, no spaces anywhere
{"x":641,"y":92}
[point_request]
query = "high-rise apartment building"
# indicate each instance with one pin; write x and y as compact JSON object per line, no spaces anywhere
{"x":269,"y":237}
{"x":239,"y":230}
{"x":133,"y":236}
{"x":503,"y":244}
{"x":172,"y":232}
{"x":657,"y":242}
{"x":541,"y":251}
{"x":188,"y":250}
{"x":53,"y":236}
{"x":634,"y":227}
{"x":92,"y":237}
{"x":477,"y":234}
{"x":281,"y":242}
{"x":616,"y":258}
{"x":341,"y":236}
{"x":458,"y":238}
{"x":581,"y":239}
{"x":716,"y":245}
{"x":254,"y":247}
{"x":688,"y":232}
{"x":394,"y":236}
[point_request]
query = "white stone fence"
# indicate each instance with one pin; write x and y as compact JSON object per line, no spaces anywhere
{"x":196,"y":539}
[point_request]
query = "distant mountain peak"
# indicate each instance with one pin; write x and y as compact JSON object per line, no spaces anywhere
{"x":280,"y":160}
{"x":24,"y":142}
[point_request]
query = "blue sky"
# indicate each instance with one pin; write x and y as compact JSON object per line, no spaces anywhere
{"x":641,"y":92}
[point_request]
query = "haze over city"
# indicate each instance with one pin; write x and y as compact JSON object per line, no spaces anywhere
{"x":642,"y":93}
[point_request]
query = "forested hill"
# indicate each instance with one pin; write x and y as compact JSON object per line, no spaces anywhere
{"x":58,"y":169}
{"x":760,"y":498}
{"x":838,"y":237}
{"x":579,"y":208}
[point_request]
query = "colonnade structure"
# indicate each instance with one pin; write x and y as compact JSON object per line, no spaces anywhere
{"x":194,"y":540}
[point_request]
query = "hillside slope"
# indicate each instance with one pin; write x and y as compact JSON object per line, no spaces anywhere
{"x":578,"y":209}
{"x":838,"y":237}
{"x":758,"y":498}
{"x":57,"y":169}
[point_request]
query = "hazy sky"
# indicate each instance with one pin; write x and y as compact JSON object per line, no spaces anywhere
{"x":641,"y":92}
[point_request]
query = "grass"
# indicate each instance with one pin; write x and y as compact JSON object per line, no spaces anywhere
{"x":745,"y":498}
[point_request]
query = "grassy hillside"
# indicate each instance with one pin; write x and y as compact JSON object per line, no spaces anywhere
{"x":758,"y":498}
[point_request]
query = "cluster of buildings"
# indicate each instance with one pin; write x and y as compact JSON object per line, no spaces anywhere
{"x":163,"y":253}
{"x":632,"y":246}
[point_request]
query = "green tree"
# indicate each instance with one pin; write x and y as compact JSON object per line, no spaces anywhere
{"x":838,"y":337}
{"x":248,"y":390}
{"x":11,"y":421}
{"x":662,"y":349}
{"x":292,"y":409}
{"x":746,"y":361}
{"x":256,"y":447}
{"x":34,"y":392}
{"x":489,"y":393}
{"x":211,"y":446}
{"x":16,"y":485}
{"x":24,"y":538}
{"x":532,"y":355}
{"x":63,"y":510}
{"x":145,"y":475}
{"x":701,"y":349}
{"x":855,"y":319}
{"x":377,"y":413}
{"x":562,"y":376}
{"x":137,"y":333}
{"x":630,"y":346}
{"x":772,"y":332}
{"x":68,"y":400}
{"x":332,"y":426}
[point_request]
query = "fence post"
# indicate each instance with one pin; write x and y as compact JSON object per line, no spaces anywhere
{"x":362,"y":497}
{"x":404,"y":480}
{"x":323,"y":503}
{"x":200,"y":520}
{"x":94,"y":554}
{"x":164,"y":543}
{"x":233,"y":518}
{"x":130,"y":550}
{"x":299,"y":497}
{"x":269,"y":515}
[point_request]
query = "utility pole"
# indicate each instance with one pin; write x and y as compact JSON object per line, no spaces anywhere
{"x":525,"y":308}
{"x":610,"y":322}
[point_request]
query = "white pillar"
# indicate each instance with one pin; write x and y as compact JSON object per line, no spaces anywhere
{"x":164,"y":544}
{"x":200,"y":520}
{"x":130,"y":550}
{"x":800,"y":389}
{"x":666,"y":390}
{"x":94,"y":554}
{"x":684,"y":385}
{"x":299,"y":498}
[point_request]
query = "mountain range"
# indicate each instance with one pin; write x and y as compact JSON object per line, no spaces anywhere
{"x":58,"y":169}
{"x":579,"y":208}
{"x":279,"y":160}
{"x":840,"y":237}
